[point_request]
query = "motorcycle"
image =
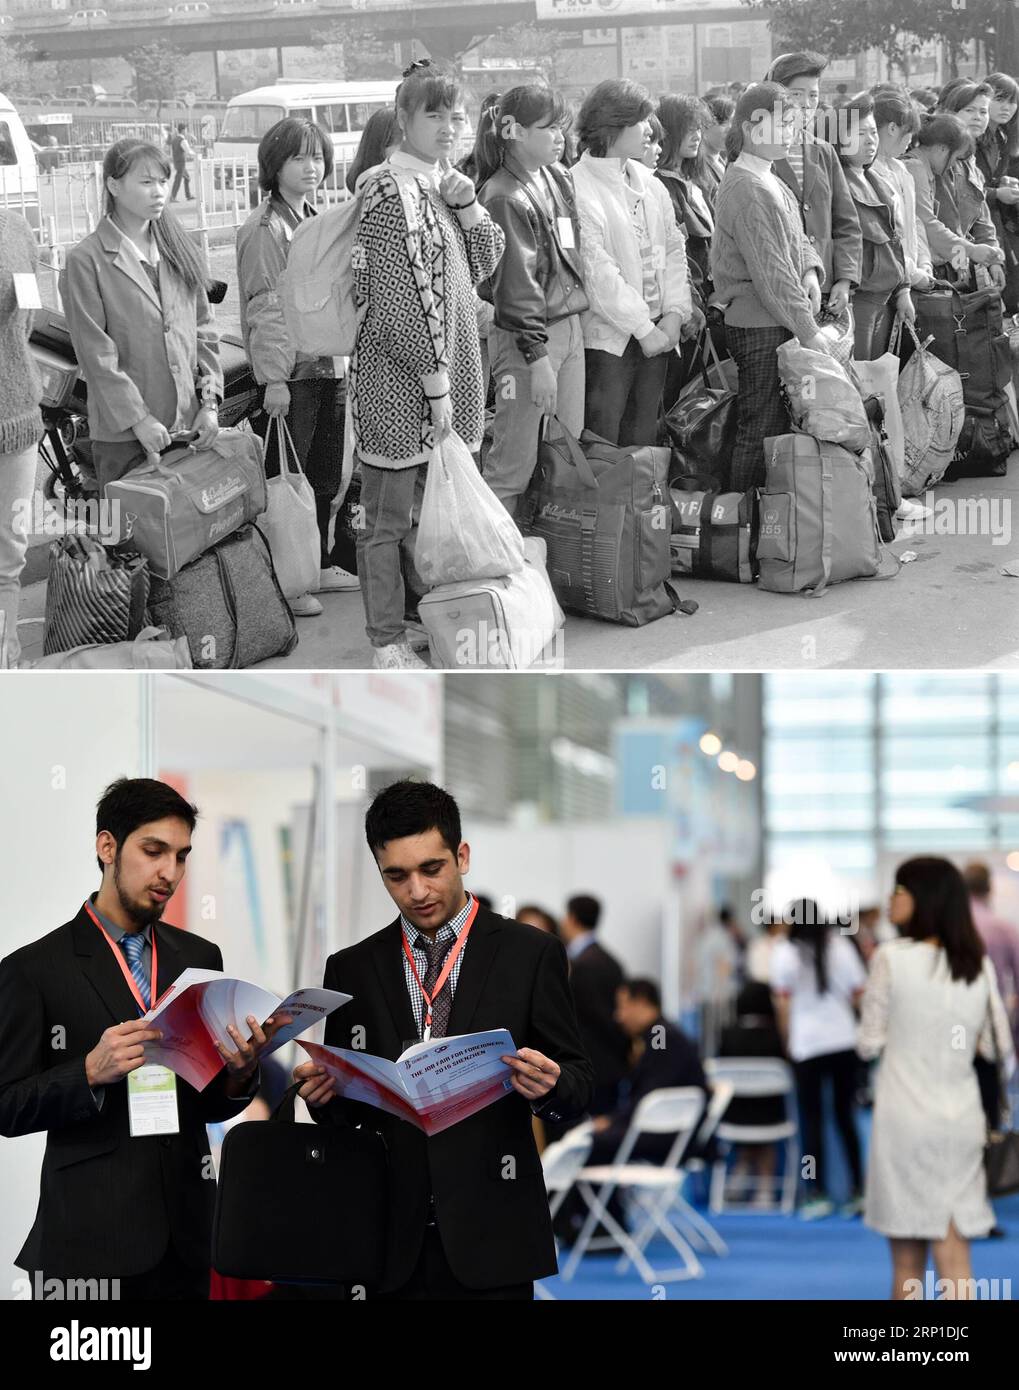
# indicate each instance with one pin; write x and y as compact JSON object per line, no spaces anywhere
{"x":65,"y":447}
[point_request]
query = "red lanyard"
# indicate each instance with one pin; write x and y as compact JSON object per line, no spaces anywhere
{"x":118,"y":956}
{"x":451,"y":960}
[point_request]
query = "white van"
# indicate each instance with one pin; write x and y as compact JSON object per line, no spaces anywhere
{"x":341,"y":108}
{"x":19,"y":176}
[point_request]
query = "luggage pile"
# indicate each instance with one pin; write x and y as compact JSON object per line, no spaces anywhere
{"x":191,"y":581}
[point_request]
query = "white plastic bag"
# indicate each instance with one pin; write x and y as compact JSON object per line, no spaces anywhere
{"x":881,"y":378}
{"x":290,"y":522}
{"x":465,"y":532}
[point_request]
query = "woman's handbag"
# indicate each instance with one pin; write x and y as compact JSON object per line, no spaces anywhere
{"x":1001,"y":1152}
{"x":701,"y":426}
{"x":301,"y":1203}
{"x":93,"y":595}
{"x":290,"y":522}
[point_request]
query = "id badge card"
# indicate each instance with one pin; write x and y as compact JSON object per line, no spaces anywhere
{"x":26,"y":290}
{"x":152,"y":1101}
{"x":566,"y":237}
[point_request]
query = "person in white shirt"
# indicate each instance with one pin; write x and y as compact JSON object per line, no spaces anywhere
{"x":817,"y":978}
{"x":931,"y":1005}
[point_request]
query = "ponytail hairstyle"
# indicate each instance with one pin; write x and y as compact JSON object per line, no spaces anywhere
{"x":534,"y":104}
{"x":755,"y":101}
{"x":1005,"y":88}
{"x":947,"y":130}
{"x":809,"y":930}
{"x":469,"y":164}
{"x":381,"y":131}
{"x":426,"y":87}
{"x":173,"y":243}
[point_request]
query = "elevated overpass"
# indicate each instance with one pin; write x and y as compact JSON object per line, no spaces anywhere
{"x":445,"y":27}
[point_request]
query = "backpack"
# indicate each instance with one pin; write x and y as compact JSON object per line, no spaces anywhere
{"x":933,"y":409}
{"x":818,"y":518}
{"x":985,"y":443}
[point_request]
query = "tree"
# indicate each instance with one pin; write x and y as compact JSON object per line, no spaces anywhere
{"x":354,"y":53}
{"x":158,"y":72}
{"x":530,"y":44}
{"x":15,"y":71}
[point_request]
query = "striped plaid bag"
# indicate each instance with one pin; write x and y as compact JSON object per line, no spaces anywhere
{"x":93,"y":595}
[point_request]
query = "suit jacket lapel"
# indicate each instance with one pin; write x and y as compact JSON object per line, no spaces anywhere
{"x":784,"y":170}
{"x":389,"y":965}
{"x":479,"y":954}
{"x":114,"y":241}
{"x":92,"y":948}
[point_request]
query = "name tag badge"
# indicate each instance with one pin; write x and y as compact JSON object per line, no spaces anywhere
{"x":152,"y":1101}
{"x":566,"y":237}
{"x":26,"y":290}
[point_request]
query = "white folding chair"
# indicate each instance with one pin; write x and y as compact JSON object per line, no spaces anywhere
{"x":698,"y":1230}
{"x":561,"y":1164}
{"x":672,"y":1110}
{"x":756,"y":1077}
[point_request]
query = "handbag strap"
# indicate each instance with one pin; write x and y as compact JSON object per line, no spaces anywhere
{"x":284,"y":1112}
{"x":577,"y":455}
{"x":1004,"y":1108}
{"x":827,"y":525}
{"x":283,"y":436}
{"x":686,"y":606}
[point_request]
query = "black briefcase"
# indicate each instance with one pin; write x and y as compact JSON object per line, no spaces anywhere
{"x":300,"y":1203}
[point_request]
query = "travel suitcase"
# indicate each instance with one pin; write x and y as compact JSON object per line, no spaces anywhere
{"x":176,"y":508}
{"x":714,"y":535}
{"x":494,"y":624}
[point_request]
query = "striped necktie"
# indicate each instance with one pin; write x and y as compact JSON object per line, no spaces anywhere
{"x":133,"y":944}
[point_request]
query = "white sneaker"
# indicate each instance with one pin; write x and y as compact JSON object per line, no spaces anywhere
{"x":305,"y":606}
{"x":398,"y":656}
{"x":909,"y":510}
{"x":336,"y":580}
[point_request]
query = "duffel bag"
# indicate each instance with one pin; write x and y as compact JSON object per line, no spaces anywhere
{"x":968,"y":333}
{"x":603,"y":511}
{"x":714,"y":535}
{"x":701,"y":426}
{"x":228,"y":604}
{"x":93,"y":595}
{"x":985,"y":442}
{"x":818,"y":522}
{"x":494,"y":624}
{"x":823,"y":400}
{"x":933,"y":409}
{"x":174,"y":508}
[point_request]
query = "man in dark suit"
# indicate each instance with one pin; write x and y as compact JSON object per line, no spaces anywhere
{"x":113,"y":1206}
{"x":468,"y":1212}
{"x":667,"y":1057}
{"x":595,"y":976}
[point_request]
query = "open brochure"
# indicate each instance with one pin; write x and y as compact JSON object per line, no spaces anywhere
{"x":433,"y":1085}
{"x":194,"y":1013}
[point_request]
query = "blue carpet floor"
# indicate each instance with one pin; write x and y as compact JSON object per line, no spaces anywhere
{"x":779,"y":1257}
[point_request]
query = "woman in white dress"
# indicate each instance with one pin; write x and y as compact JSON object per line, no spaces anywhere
{"x":930,"y":1004}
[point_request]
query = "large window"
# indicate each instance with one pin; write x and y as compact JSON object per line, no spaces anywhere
{"x":864,"y":766}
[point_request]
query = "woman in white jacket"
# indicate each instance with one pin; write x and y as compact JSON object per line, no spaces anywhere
{"x":635,"y":270}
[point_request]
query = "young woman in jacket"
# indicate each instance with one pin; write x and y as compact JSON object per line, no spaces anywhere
{"x":134,"y":294}
{"x":635,"y":269}
{"x":963,"y":189}
{"x":765,"y":271}
{"x":423,"y":243}
{"x":294,"y":156}
{"x":998,"y":160}
{"x":536,"y":343}
{"x":897,"y":124}
{"x":883,"y":297}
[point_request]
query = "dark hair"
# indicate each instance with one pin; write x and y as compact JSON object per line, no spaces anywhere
{"x":426,"y":86}
{"x":181,"y":254}
{"x":809,"y":932}
{"x":960,"y":92}
{"x":469,"y":164}
{"x":844,"y":132}
{"x":585,"y":909}
{"x":182,"y":125}
{"x":612,"y":106}
{"x":533,"y":910}
{"x":926,"y":97}
{"x":130,"y":802}
{"x":893,"y":107}
{"x":1006,"y":88}
{"x":679,"y":116}
{"x":644,"y":989}
{"x":721,"y":108}
{"x":381,"y":130}
{"x":788,"y":66}
{"x":412,"y":808}
{"x":947,"y":130}
{"x":534,"y":104}
{"x":294,"y":135}
{"x":941,"y":909}
{"x":763,"y":96}
{"x":977,"y":878}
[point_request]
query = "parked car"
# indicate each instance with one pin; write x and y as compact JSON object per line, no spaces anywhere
{"x":190,"y":9}
{"x":86,"y":18}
